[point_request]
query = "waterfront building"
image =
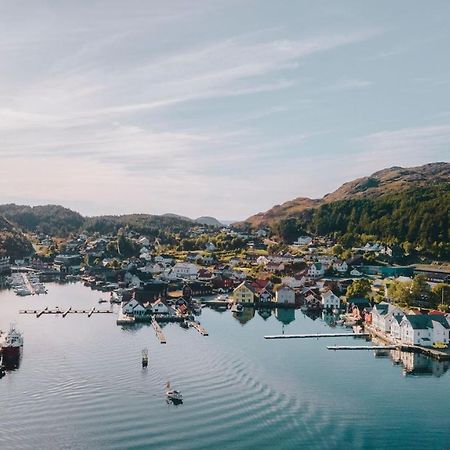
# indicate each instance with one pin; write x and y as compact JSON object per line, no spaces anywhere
{"x":384,"y":315}
{"x":330,"y":300}
{"x":4,"y":264}
{"x":424,"y":330}
{"x":285,"y":295}
{"x":134,"y":308}
{"x":244,"y":293}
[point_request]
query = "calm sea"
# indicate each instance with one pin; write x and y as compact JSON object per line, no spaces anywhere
{"x":80,"y":385}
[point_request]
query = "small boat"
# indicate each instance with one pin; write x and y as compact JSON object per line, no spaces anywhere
{"x":173,"y":395}
{"x":144,"y":357}
{"x":237,"y":308}
{"x":102,"y":300}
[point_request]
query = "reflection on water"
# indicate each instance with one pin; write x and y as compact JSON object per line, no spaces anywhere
{"x":418,"y":364}
{"x":285,"y":316}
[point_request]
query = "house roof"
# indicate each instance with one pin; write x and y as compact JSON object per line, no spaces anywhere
{"x":382,"y":308}
{"x":420,"y":322}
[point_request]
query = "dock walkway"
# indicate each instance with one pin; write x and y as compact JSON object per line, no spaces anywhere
{"x":158,"y":331}
{"x":362,"y":347}
{"x":315,"y":335}
{"x":46,"y":310}
{"x":198,"y":327}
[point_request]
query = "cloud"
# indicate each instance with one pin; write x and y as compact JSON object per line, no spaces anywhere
{"x":406,"y":146}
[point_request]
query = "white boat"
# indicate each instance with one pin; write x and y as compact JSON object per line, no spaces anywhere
{"x":173,"y":395}
{"x":237,"y":308}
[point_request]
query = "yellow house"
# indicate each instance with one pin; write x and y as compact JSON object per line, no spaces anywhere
{"x":244,"y":293}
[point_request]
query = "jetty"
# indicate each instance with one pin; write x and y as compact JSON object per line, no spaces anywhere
{"x":198,"y":327}
{"x":124,"y":319}
{"x":158,"y":331}
{"x":46,"y":310}
{"x":315,"y":335}
{"x":38,"y":314}
{"x":362,"y":347}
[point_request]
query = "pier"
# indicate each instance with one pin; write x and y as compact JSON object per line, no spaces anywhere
{"x":158,"y":331}
{"x":198,"y":327}
{"x":362,"y":347}
{"x":46,"y":310}
{"x":315,"y":336}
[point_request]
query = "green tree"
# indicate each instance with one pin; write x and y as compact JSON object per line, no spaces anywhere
{"x":359,"y":288}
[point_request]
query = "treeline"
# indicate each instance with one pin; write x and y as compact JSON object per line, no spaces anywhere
{"x":155,"y":226}
{"x":56,"y":220}
{"x":418,"y":216}
{"x":48,"y":219}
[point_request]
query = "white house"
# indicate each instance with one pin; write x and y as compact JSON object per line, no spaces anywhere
{"x":285,"y":295}
{"x":330,"y":300}
{"x":160,"y":308}
{"x":163,"y":259}
{"x":340,"y":266}
{"x":384,"y":315}
{"x":294,"y":282}
{"x":185,"y":270}
{"x":424,"y":330}
{"x":316,"y":270}
{"x":262,"y":260}
{"x":355,"y":273}
{"x":302,"y":240}
{"x":134,"y":308}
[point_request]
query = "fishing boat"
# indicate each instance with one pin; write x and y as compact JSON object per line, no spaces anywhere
{"x":144,"y":357}
{"x":237,"y":308}
{"x":10,"y":346}
{"x":173,"y":395}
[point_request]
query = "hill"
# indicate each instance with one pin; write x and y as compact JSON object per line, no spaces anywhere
{"x":147,"y":224}
{"x":383,"y":182}
{"x":48,"y":219}
{"x":210,"y":221}
{"x":13,"y":242}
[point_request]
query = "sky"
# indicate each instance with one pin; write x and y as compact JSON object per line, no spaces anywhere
{"x":215,"y":107}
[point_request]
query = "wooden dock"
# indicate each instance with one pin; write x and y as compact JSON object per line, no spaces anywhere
{"x":362,"y":347}
{"x":158,"y":331}
{"x":198,"y":327}
{"x":46,"y":310}
{"x":315,"y":336}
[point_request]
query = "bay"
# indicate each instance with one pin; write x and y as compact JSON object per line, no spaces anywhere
{"x":80,"y":385}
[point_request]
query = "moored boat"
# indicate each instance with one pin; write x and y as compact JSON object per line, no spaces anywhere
{"x":237,"y":308}
{"x":11,"y":345}
{"x":144,"y":357}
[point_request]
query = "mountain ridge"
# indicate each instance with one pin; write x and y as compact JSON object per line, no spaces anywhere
{"x":388,"y":180}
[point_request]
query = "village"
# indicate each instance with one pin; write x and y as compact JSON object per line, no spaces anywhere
{"x":247,"y":271}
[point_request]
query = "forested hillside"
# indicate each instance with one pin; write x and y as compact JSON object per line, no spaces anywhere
{"x":419,"y":216}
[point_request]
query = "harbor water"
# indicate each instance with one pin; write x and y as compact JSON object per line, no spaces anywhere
{"x":81,"y":384}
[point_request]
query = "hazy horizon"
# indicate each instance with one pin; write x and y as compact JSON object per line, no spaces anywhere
{"x":223,"y":110}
